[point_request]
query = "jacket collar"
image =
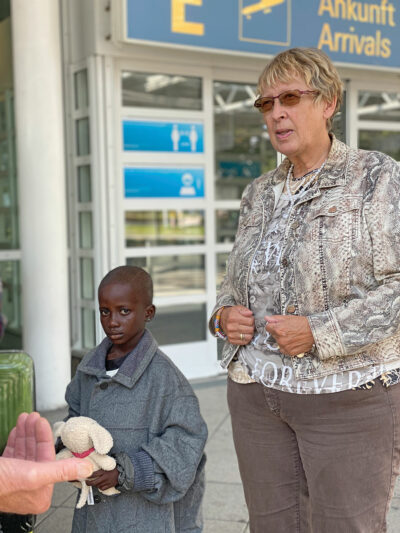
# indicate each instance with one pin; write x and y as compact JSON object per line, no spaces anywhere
{"x":131,"y":369}
{"x":333,"y":174}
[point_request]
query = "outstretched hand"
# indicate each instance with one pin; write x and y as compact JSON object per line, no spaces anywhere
{"x":237,"y":323}
{"x":292,"y":333}
{"x":28,"y":469}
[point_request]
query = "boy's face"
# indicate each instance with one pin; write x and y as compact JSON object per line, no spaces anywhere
{"x":123,"y":313}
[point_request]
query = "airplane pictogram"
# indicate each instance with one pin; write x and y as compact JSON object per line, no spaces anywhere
{"x":262,"y":5}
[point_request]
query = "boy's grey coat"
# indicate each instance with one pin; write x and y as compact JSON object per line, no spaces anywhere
{"x":340,"y":263}
{"x":153,"y":415}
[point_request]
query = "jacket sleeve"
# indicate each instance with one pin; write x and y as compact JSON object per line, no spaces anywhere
{"x":73,"y":396}
{"x":225,"y":297}
{"x":167,"y":465}
{"x":375,"y":316}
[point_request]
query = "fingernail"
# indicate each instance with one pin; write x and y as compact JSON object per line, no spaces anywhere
{"x":84,"y":469}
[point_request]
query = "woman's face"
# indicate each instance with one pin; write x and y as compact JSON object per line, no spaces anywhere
{"x":297,"y":131}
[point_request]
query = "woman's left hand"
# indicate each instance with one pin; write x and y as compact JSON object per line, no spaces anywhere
{"x":292,"y":333}
{"x":103,"y":479}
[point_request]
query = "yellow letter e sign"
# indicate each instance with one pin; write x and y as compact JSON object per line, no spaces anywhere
{"x":179,"y":24}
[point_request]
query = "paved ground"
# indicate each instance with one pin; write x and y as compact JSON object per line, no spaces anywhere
{"x":224,"y":507}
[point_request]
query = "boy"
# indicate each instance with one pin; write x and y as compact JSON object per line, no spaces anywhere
{"x":132,"y":389}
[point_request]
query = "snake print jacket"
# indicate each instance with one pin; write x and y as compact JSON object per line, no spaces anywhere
{"x":340,"y":261}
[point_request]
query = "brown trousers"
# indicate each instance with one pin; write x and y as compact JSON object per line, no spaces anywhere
{"x":322,"y":463}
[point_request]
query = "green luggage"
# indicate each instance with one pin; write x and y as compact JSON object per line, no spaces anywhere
{"x":17,"y":395}
{"x":16,"y":390}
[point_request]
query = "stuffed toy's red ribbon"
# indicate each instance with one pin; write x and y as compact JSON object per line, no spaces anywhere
{"x":83,"y":454}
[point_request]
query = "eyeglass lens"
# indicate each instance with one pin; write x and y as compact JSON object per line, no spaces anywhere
{"x":287,"y":98}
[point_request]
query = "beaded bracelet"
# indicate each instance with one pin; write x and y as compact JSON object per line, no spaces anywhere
{"x":217,"y":326}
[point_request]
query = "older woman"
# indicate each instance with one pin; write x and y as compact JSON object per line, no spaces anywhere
{"x":310,"y":310}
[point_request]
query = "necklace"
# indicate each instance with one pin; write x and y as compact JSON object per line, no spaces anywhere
{"x":306,"y":174}
{"x":297,"y":185}
{"x":303,"y":184}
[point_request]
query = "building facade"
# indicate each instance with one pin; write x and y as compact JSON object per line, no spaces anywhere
{"x":154,"y":138}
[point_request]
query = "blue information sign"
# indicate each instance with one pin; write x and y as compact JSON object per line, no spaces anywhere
{"x":153,"y":136}
{"x":350,"y":31}
{"x":145,"y":182}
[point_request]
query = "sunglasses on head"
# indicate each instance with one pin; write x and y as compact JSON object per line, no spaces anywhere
{"x":287,"y":99}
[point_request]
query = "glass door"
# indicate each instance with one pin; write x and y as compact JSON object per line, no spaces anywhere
{"x":166,"y":194}
{"x":10,"y":253}
{"x":378,"y":119}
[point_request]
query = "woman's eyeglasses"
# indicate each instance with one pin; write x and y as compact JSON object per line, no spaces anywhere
{"x":287,"y":99}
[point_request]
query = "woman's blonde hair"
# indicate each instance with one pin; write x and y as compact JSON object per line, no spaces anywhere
{"x":310,"y":64}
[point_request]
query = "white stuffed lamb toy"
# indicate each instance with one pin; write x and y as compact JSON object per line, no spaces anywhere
{"x":83,"y":437}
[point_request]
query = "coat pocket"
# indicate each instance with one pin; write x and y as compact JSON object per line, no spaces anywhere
{"x":250,"y":220}
{"x":337,"y":221}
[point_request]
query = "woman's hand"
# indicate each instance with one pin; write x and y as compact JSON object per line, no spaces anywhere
{"x":103,"y":479}
{"x":237,"y":323}
{"x":292,"y":333}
